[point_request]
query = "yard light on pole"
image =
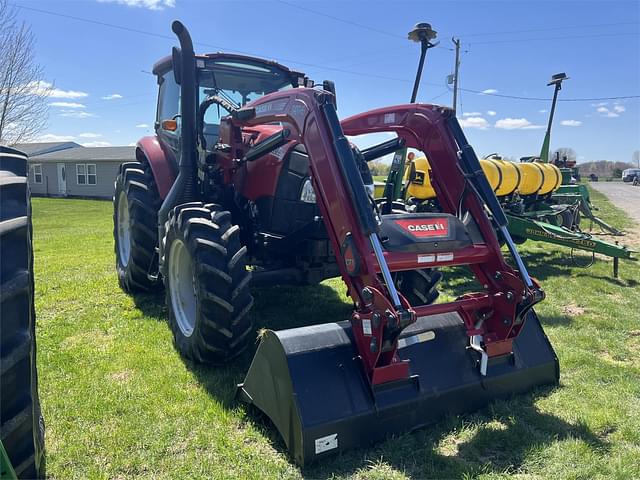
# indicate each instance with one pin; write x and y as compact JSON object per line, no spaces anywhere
{"x":556,"y":80}
{"x":424,"y":34}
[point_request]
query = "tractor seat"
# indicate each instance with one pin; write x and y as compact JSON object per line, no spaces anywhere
{"x":423,"y":233}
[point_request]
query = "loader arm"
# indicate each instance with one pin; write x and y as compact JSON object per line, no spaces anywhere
{"x":310,"y":117}
{"x":394,"y":366}
{"x":458,"y":184}
{"x":493,"y":318}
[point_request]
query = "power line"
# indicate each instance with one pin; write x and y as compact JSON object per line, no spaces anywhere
{"x":548,"y":29}
{"x":566,"y":37}
{"x":168,"y":37}
{"x":516,"y":97}
{"x":338,"y":19}
{"x":314,"y":65}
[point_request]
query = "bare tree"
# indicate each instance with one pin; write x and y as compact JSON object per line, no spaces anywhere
{"x":23,"y":97}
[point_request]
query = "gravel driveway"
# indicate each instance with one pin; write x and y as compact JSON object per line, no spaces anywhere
{"x":623,"y":195}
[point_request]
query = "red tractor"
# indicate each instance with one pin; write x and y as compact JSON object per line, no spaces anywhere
{"x":250,"y":166}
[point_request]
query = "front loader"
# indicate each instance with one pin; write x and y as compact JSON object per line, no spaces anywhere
{"x":254,"y":169}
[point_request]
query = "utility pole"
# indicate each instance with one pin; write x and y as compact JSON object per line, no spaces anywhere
{"x":456,"y":42}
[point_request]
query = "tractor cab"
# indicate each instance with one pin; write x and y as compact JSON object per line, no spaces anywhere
{"x":234,"y":79}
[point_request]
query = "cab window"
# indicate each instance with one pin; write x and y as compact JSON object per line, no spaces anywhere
{"x":168,"y":98}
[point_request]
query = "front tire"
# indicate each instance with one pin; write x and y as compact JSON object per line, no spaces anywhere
{"x":135,"y":227}
{"x":419,"y":287}
{"x":21,"y":424}
{"x":207,"y":284}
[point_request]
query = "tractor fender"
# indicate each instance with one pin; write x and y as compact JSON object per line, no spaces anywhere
{"x":161,"y":160}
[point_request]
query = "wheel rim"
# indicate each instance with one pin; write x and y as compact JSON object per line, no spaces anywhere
{"x":182,"y":287}
{"x":124,"y":230}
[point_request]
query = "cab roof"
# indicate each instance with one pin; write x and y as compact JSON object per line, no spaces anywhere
{"x":164,"y":65}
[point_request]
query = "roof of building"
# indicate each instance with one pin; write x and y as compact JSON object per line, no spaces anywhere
{"x":89,"y":154}
{"x":32,"y":149}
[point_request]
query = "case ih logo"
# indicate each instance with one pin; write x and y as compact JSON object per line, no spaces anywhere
{"x":430,"y":227}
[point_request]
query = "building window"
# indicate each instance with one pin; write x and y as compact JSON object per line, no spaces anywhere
{"x":81,"y":173}
{"x":86,"y":173}
{"x":92,"y":177}
{"x":37,"y":173}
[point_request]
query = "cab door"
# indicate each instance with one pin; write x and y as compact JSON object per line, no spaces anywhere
{"x":168,"y":121}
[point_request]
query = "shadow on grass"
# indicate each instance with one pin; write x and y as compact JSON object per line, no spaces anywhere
{"x":152,"y":304}
{"x":496,"y":439}
{"x":275,"y":308}
{"x":614,"y":281}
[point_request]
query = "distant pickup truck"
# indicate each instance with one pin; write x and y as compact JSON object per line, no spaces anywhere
{"x":631,"y":174}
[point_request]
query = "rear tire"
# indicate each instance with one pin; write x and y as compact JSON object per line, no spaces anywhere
{"x":21,"y":424}
{"x":207,"y":284}
{"x":135,"y":226}
{"x":419,"y":287}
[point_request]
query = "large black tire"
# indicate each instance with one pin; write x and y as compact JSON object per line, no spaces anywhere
{"x":136,"y":196}
{"x":205,"y":247}
{"x":21,"y":424}
{"x":419,"y":286}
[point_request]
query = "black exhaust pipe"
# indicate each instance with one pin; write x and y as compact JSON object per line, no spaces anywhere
{"x":183,"y":189}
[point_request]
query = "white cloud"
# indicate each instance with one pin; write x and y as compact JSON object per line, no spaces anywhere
{"x":474,"y":122}
{"x":96,"y":144}
{"x":67,"y":105}
{"x":489,"y":91}
{"x":150,"y":4}
{"x":132,"y":144}
{"x":491,"y":113}
{"x":605,"y":112}
{"x":619,"y":108}
{"x":75,"y":114}
{"x":52,"y":137}
{"x":142,"y":125}
{"x":544,"y":110}
{"x":46,"y":89}
{"x":516,"y":123}
{"x":113,"y":96}
{"x":471,"y":114}
{"x":571,"y":123}
{"x":601,"y":104}
{"x":90,"y":135}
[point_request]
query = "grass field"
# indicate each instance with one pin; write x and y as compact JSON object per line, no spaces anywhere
{"x":120,"y":403}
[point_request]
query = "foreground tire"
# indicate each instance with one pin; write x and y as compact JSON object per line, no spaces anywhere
{"x":419,"y":286}
{"x":135,"y":226}
{"x":207,"y":284}
{"x":21,"y":425}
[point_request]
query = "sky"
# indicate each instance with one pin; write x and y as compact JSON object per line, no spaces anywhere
{"x":98,"y":54}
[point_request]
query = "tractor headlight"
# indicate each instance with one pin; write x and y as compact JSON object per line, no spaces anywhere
{"x":307,"y":195}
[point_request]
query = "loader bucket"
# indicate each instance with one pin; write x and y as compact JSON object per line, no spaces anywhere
{"x":310,"y":382}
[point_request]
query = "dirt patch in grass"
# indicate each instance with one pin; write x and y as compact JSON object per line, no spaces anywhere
{"x":97,"y":340}
{"x":121,"y":377}
{"x":609,"y":358}
{"x":573,"y":310}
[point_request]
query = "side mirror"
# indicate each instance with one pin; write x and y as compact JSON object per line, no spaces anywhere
{"x":176,"y":61}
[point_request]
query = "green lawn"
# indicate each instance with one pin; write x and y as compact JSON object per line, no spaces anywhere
{"x":120,"y":403}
